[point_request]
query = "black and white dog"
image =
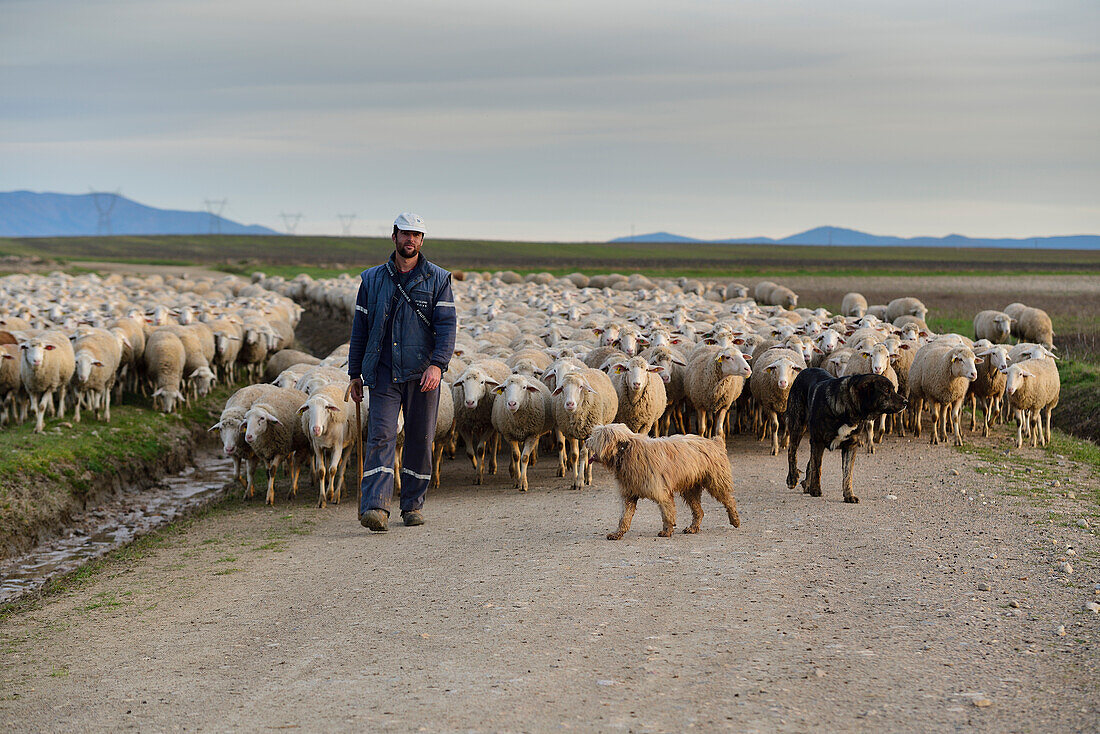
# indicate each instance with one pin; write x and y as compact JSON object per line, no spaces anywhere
{"x":834,"y":411}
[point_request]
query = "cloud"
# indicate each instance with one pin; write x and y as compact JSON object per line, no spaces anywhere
{"x":772,"y":112}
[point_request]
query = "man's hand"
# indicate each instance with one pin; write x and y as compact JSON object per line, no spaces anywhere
{"x":356,"y":390}
{"x":430,"y":379}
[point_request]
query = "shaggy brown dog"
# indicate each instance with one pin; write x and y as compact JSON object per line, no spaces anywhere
{"x":658,"y":468}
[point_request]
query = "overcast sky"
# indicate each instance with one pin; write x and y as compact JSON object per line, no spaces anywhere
{"x":567,"y":120}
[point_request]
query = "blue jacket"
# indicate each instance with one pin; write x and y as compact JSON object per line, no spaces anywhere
{"x":417,"y":345}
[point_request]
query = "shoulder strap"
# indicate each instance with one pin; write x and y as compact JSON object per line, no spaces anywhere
{"x":405,"y":295}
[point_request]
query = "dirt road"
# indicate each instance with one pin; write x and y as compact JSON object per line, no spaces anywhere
{"x":512,"y":612}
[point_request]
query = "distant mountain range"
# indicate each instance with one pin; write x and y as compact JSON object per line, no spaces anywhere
{"x":841,"y":236}
{"x":30,"y":214}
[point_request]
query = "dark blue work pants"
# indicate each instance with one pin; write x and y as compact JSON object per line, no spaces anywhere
{"x":386,"y":400}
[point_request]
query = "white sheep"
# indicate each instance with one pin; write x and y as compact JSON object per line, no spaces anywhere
{"x":273,"y":431}
{"x":641,"y":393}
{"x":770,"y":383}
{"x":1034,"y":325}
{"x":473,"y":401}
{"x":521,"y":414}
{"x":165,"y":358}
{"x":853,"y":304}
{"x":328,"y":422}
{"x":713,"y":381}
{"x":46,"y":366}
{"x":1032,"y":388}
{"x":988,"y":388}
{"x":907,"y":306}
{"x":996,"y":326}
{"x":230,"y":426}
{"x":97,"y":354}
{"x":583,"y":399}
{"x":940,"y":376}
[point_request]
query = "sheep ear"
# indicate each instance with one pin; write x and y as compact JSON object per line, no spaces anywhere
{"x":5,"y":355}
{"x":97,"y":363}
{"x":618,"y":368}
{"x":904,"y":346}
{"x":532,"y":388}
{"x":498,"y":390}
{"x":333,"y":408}
{"x":677,"y":360}
{"x":587,"y":387}
{"x":159,"y":391}
{"x":214,"y":427}
{"x":492,"y":382}
{"x":978,"y":360}
{"x":658,"y":368}
{"x":746,"y":357}
{"x":557,"y":390}
{"x":303,"y":409}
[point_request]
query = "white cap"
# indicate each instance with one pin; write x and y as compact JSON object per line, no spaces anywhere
{"x":409,"y":222}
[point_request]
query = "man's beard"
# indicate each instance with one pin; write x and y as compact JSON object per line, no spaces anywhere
{"x":407,"y":251}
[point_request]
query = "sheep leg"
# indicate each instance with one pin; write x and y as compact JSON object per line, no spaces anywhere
{"x":869,"y":431}
{"x":250,"y":468}
{"x":529,"y":448}
{"x":973,"y":413}
{"x":811,"y":485}
{"x":513,"y":464}
{"x":437,"y":462}
{"x":1019,"y":428}
{"x":936,"y":409}
{"x":630,"y":504}
{"x":701,"y":421}
{"x":272,"y":467}
{"x":471,"y":453}
{"x":341,"y":472}
{"x":668,"y":516}
{"x":295,"y":473}
{"x":848,"y":465}
{"x":586,"y":464}
{"x":562,"y":452}
{"x":105,"y":400}
{"x":76,"y":409}
{"x":720,"y":423}
{"x":693,"y":497}
{"x":322,"y":485}
{"x":63,"y":392}
{"x":1047,"y":411}
{"x":575,"y":462}
{"x":773,"y":428}
{"x":39,"y":406}
{"x":494,"y":443}
{"x":956,"y":415}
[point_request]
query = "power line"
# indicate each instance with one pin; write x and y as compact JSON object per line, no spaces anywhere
{"x":290,"y":221}
{"x":345,"y":223}
{"x":215,"y":207}
{"x":104,"y":202}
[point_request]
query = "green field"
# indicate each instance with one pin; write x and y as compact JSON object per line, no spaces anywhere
{"x":327,"y":255}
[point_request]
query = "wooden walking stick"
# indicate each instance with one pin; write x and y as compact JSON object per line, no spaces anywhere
{"x":358,"y":445}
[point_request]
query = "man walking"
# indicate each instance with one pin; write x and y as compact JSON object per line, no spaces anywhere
{"x":402,"y":337}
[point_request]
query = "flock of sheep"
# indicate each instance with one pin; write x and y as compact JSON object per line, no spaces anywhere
{"x":80,"y":341}
{"x":555,"y":357}
{"x":535,"y":357}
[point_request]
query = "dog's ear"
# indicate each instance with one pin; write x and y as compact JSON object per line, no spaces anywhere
{"x":866,"y":393}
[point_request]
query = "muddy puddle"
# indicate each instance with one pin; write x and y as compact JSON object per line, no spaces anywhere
{"x":117,"y":521}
